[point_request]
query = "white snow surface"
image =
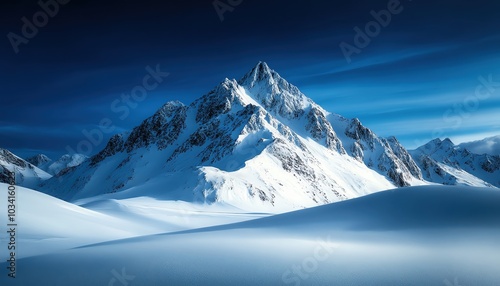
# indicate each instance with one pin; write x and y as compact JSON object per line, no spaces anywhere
{"x":429,"y":235}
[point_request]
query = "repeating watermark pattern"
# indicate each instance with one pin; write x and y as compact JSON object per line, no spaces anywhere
{"x":122,"y":278}
{"x":11,"y":225}
{"x":456,"y":114}
{"x":222,"y":7}
{"x":122,"y":107}
{"x":299,"y":272}
{"x":30,"y":28}
{"x":455,"y":282}
{"x":372,"y":29}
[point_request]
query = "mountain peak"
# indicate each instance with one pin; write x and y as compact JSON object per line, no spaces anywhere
{"x":274,"y":93}
{"x":262,"y":67}
{"x":261,"y":72}
{"x":448,"y":142}
{"x":437,"y":144}
{"x":38,"y":160}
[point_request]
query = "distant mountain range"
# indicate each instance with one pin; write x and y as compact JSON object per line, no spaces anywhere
{"x":27,"y":175}
{"x":55,"y":167}
{"x":445,"y":163}
{"x":37,"y":169}
{"x":255,"y":143}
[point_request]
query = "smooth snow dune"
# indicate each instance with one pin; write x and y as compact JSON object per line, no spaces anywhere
{"x":170,"y":215}
{"x":402,"y":209}
{"x":46,"y":223}
{"x":430,"y":235}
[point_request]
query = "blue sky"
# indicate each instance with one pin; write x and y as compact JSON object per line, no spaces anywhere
{"x":416,"y":80}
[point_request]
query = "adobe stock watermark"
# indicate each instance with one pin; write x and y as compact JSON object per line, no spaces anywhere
{"x":11,"y":225}
{"x":40,"y":19}
{"x":372,"y":29}
{"x":221,"y":7}
{"x":121,"y":278}
{"x":299,"y":272}
{"x":456,"y":114}
{"x":122,"y":107}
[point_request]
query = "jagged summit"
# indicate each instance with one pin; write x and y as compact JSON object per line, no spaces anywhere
{"x":448,"y":141}
{"x":261,"y":72}
{"x":274,"y":93}
{"x":261,"y":86}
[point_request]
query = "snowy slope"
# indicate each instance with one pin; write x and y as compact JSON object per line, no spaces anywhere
{"x":433,"y":235}
{"x":443,"y":162}
{"x":48,"y":224}
{"x":257,"y":143}
{"x":27,"y":175}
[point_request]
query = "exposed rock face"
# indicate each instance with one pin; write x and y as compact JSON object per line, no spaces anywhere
{"x":161,"y":129}
{"x":386,"y":156}
{"x":115,"y":145}
{"x":321,"y":129}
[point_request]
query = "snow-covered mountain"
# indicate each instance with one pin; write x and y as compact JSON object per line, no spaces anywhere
{"x":256,"y":142}
{"x":443,"y":162}
{"x":27,"y":174}
{"x":490,"y":146}
{"x":66,"y":161}
{"x":41,"y":161}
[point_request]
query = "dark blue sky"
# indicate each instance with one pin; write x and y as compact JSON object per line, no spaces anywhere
{"x":416,"y":79}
